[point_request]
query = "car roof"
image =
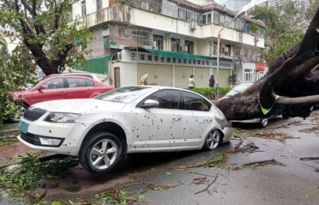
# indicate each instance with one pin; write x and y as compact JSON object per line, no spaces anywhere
{"x":67,"y":76}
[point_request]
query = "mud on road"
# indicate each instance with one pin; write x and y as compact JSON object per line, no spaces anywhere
{"x":275,"y":165}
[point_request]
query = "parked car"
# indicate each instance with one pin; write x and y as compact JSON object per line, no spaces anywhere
{"x":60,"y":87}
{"x":126,"y":120}
{"x":262,"y":122}
{"x":88,"y":75}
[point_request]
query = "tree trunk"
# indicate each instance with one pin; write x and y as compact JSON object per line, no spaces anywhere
{"x":293,"y":75}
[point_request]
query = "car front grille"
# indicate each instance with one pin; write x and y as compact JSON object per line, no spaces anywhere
{"x":33,"y":114}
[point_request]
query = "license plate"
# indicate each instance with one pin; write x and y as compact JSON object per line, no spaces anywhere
{"x":23,"y":126}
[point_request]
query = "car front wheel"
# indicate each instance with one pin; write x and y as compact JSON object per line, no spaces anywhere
{"x":213,"y":139}
{"x":100,"y":153}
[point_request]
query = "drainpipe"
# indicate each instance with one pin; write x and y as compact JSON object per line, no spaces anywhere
{"x":173,"y":75}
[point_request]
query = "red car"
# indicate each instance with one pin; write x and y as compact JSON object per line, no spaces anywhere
{"x":60,"y":87}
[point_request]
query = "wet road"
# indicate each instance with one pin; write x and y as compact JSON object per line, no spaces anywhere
{"x":172,"y":178}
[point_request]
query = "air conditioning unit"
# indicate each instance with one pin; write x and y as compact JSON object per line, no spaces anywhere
{"x":154,"y":44}
{"x":192,"y":26}
{"x":119,"y":55}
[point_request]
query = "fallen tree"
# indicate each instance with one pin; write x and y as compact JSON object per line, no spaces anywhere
{"x":291,"y":87}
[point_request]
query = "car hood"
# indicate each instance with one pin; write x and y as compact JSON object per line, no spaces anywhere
{"x":79,"y":106}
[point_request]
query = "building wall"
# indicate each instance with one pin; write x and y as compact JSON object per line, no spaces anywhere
{"x":163,"y":75}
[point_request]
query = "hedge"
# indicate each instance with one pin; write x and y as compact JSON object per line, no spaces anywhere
{"x":211,"y":92}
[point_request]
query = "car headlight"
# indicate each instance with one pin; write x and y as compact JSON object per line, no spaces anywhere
{"x":60,"y":117}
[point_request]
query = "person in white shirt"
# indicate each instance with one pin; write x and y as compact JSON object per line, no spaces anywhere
{"x":191,"y":82}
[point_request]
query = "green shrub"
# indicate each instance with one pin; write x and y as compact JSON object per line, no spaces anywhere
{"x":211,"y":92}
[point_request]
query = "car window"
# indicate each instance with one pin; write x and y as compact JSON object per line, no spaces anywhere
{"x":89,"y":83}
{"x":78,"y":82}
{"x":195,"y":102}
{"x":168,"y":99}
{"x":54,"y":84}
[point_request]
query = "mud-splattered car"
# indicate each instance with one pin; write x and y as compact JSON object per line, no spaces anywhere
{"x":126,"y":120}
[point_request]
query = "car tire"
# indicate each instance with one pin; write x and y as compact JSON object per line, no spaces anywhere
{"x":263,"y":122}
{"x":100,"y":153}
{"x":213,"y":140}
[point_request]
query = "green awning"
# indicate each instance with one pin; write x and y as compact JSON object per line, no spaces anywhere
{"x":171,"y":54}
{"x":97,"y":65}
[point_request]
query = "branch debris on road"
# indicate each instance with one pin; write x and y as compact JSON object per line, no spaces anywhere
{"x":208,"y":186}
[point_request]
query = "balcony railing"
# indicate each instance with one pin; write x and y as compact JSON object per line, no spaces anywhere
{"x":114,"y":13}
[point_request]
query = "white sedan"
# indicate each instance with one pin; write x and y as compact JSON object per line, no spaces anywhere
{"x":126,"y":120}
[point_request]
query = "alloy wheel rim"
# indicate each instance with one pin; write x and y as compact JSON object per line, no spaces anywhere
{"x":103,"y":154}
{"x":264,"y":122}
{"x":213,"y":140}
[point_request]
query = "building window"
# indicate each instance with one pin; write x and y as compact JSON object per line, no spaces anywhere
{"x":142,"y":57}
{"x":83,"y":8}
{"x":209,"y":18}
{"x":158,"y":42}
{"x":149,"y":57}
{"x":198,"y":62}
{"x":189,"y":47}
{"x":207,"y":62}
{"x":226,"y":50}
{"x":185,"y":61}
{"x":98,"y":5}
{"x":176,"y":45}
{"x":174,"y":60}
{"x":162,"y":59}
{"x":168,"y":60}
{"x":141,"y":36}
{"x":216,"y":18}
{"x":194,"y":62}
{"x":249,"y":75}
{"x":182,"y":14}
{"x":189,"y":16}
{"x":189,"y":61}
{"x":179,"y":60}
{"x":204,"y":19}
{"x":155,"y":58}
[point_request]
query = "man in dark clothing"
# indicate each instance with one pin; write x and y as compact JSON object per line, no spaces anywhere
{"x":211,"y":82}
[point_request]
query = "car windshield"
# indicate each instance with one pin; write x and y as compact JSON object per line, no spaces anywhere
{"x":123,"y":95}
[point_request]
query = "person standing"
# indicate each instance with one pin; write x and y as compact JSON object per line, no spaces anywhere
{"x":191,"y":82}
{"x":211,"y":82}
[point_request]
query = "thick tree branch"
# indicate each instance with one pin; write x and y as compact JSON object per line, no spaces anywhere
{"x":298,"y":101}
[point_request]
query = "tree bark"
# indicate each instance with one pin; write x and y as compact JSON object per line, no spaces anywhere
{"x":32,"y":31}
{"x":293,"y":75}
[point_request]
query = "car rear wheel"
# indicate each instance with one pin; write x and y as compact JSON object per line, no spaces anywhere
{"x":263,"y":122}
{"x":213,"y":140}
{"x":100,"y":153}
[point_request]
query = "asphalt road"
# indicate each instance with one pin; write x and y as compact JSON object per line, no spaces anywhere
{"x":268,"y":171}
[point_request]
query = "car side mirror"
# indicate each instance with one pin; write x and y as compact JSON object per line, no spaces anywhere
{"x":40,"y":88}
{"x":149,"y":104}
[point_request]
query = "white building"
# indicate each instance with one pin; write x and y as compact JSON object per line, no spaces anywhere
{"x":170,"y":40}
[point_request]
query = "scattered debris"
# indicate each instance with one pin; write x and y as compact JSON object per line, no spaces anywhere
{"x":286,"y":125}
{"x":281,"y":137}
{"x":308,"y":158}
{"x":206,"y":189}
{"x":207,"y":175}
{"x":248,"y":148}
{"x":200,"y":180}
{"x":312,"y":130}
{"x":218,"y":160}
{"x":256,"y":164}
